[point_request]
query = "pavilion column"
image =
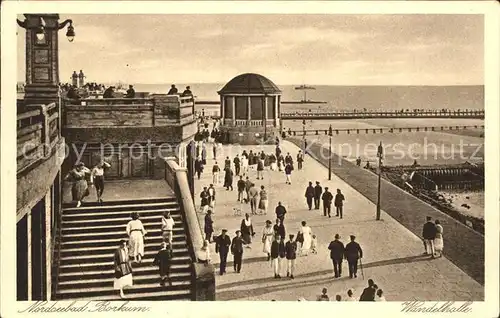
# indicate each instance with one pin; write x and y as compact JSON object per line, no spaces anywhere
{"x":249,"y":109}
{"x":265,"y":111}
{"x":222,"y":114}
{"x":233,"y":107}
{"x":276,"y":111}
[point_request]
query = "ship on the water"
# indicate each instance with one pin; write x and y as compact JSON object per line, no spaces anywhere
{"x":305,"y":88}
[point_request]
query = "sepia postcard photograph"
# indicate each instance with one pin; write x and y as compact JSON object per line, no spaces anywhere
{"x":249,"y":151}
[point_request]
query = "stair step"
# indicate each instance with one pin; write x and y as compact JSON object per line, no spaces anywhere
{"x":118,"y":208}
{"x":109,"y":271}
{"x":99,"y":214}
{"x":121,"y":202}
{"x":78,"y":259}
{"x":111,"y":249}
{"x":108,"y":281}
{"x":184,"y":286}
{"x":116,"y":228}
{"x":115,"y":235}
{"x":107,"y":219}
{"x":91,"y":241}
{"x":147,"y":261}
{"x":160,"y":294}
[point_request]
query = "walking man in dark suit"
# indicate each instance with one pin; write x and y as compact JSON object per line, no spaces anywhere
{"x":327,"y":198}
{"x":222,"y":243}
{"x":310,"y":195}
{"x":337,"y":250}
{"x":353,"y":253}
{"x":237,"y":251}
{"x":429,"y":234}
{"x":291,"y":255}
{"x":339,"y":203}
{"x":317,"y":195}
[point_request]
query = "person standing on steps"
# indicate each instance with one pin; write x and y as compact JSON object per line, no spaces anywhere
{"x":309,"y":195}
{"x":236,"y":162}
{"x":337,"y":249}
{"x":277,"y":254}
{"x":163,"y":260}
{"x":327,"y":198}
{"x":80,"y":188}
{"x":215,"y":174}
{"x":123,"y":268}
{"x":209,"y":226}
{"x":318,"y":190}
{"x":291,"y":256}
{"x":353,"y":253}
{"x":288,"y":173}
{"x":97,"y":178}
{"x":300,"y":159}
{"x":167,"y":227}
{"x":222,"y":244}
{"x":136,"y":232}
{"x":237,"y":251}
{"x":339,"y":203}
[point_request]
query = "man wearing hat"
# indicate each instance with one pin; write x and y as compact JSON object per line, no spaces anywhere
{"x":337,"y":249}
{"x":237,"y":251}
{"x":208,"y":228}
{"x":310,"y":195}
{"x":327,"y":198}
{"x":353,"y":253}
{"x":291,"y":255}
{"x":317,"y":195}
{"x":222,"y":244}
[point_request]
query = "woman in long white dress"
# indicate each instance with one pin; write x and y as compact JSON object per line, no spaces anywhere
{"x":438,"y":240}
{"x":267,"y":238}
{"x":307,"y":238}
{"x":123,"y":269}
{"x":136,"y":232}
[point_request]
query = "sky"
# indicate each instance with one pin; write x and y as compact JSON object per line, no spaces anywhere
{"x":288,"y":49}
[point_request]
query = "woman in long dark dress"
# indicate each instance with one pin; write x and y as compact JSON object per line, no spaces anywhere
{"x":247,"y":229}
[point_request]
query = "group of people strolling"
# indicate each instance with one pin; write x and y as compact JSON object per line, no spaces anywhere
{"x":132,"y":251}
{"x":81,"y":177}
{"x":432,"y":234}
{"x":370,"y":293}
{"x":317,"y":195}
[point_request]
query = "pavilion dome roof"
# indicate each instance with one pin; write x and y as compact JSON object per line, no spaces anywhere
{"x":250,"y":83}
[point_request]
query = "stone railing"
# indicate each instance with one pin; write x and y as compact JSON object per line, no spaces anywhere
{"x":37,"y":133}
{"x":251,"y":122}
{"x":203,"y":274}
{"x":155,"y":111}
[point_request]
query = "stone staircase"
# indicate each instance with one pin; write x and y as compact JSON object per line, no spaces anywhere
{"x":91,"y":233}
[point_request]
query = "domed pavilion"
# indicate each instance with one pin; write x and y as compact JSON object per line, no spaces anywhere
{"x":250,"y":108}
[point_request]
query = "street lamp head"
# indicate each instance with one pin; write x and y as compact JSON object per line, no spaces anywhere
{"x":40,"y":33}
{"x":70,"y":34}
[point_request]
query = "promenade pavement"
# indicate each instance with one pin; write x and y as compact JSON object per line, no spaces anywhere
{"x":392,"y":254}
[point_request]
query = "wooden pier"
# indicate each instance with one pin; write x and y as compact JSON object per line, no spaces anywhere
{"x":476,"y":114}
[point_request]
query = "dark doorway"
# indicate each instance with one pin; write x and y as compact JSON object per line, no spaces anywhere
{"x":38,"y":252}
{"x":22,"y":258}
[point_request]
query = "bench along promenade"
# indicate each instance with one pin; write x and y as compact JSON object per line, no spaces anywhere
{"x":463,"y":246}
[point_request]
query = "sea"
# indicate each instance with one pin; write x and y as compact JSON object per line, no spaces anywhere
{"x":359,"y":97}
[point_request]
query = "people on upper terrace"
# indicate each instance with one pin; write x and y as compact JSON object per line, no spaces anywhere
{"x":187,"y":91}
{"x":72,"y":93}
{"x":173,"y":90}
{"x":130,"y":92}
{"x":108,"y":93}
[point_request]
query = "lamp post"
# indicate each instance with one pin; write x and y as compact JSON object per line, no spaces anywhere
{"x":42,"y":56}
{"x":330,"y":133}
{"x":380,"y":154}
{"x":304,"y":134}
